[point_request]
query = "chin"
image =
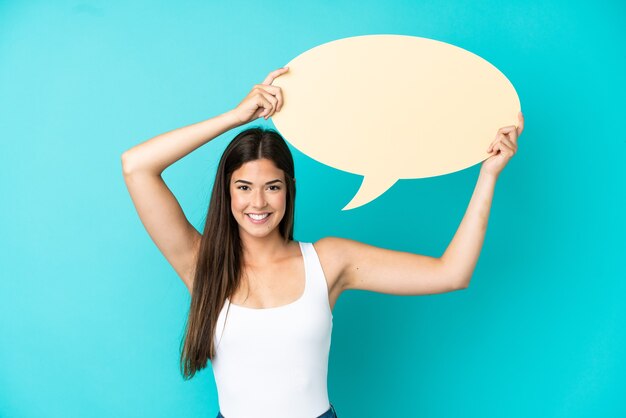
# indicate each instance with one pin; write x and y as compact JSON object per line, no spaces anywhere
{"x":259,"y":234}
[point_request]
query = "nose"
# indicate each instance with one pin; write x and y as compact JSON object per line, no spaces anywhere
{"x":259,"y":199}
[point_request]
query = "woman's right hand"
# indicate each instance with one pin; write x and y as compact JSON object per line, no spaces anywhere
{"x":262,"y":101}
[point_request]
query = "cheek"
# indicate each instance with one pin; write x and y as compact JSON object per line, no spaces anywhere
{"x":235,"y":204}
{"x":282,"y":202}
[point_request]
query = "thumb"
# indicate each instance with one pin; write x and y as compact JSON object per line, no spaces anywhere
{"x":520,"y":122}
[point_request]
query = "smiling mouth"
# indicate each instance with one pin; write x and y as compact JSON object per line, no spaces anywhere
{"x":259,"y":216}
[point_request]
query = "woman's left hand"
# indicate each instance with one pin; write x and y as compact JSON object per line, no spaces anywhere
{"x":503,"y":147}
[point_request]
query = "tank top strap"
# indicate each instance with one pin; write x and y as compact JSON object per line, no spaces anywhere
{"x":316,"y":281}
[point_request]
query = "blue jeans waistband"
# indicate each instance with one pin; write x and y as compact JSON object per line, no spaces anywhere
{"x":330,"y":413}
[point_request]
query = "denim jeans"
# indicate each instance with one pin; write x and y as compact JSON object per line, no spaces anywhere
{"x":328,"y":414}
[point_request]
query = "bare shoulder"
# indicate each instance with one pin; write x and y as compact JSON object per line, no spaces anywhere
{"x":332,"y":243}
{"x":332,"y":254}
{"x":356,"y":265}
{"x":338,"y":247}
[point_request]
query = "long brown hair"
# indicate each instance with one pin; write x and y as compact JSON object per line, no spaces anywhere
{"x":218,"y":264}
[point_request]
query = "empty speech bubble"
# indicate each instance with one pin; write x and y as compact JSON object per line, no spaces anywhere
{"x":392,"y":107}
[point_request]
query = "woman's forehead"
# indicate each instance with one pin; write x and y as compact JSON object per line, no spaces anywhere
{"x":259,"y":170}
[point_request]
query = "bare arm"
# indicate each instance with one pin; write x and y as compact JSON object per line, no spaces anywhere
{"x":157,"y":207}
{"x":381,"y":270}
{"x":357,"y":265}
{"x":461,"y":256}
{"x":156,"y":154}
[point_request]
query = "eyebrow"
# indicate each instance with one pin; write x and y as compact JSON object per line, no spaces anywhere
{"x":249,"y":182}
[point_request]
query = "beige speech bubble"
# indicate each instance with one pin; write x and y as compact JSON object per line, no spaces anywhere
{"x":392,"y":107}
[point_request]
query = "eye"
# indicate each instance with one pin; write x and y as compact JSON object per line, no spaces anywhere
{"x":241,"y":187}
{"x":277,"y":187}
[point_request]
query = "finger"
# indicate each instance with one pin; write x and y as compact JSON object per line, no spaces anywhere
{"x":271,"y":76}
{"x":520,"y":123}
{"x":509,"y":132}
{"x":274,"y":91}
{"x":507,"y":129}
{"x":502,"y":138}
{"x":263,"y":103}
{"x":270,"y":106}
{"x":279,"y":96}
{"x":512,"y":136}
{"x":273,"y":100}
{"x":268,"y":88}
{"x":503,"y":150}
{"x":497,"y":139}
{"x":510,"y":144}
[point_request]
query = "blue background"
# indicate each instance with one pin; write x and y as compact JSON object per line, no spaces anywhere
{"x":92,"y":315}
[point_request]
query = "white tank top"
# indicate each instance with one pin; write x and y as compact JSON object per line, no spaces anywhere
{"x":273,"y":362}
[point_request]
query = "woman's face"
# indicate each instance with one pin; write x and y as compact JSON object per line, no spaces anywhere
{"x":258,"y":197}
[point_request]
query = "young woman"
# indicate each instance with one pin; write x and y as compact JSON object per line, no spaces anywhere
{"x":261,"y":303}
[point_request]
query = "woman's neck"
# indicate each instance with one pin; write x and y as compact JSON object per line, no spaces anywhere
{"x":260,"y":251}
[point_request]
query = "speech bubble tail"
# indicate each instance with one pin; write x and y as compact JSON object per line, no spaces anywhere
{"x":370,"y":189}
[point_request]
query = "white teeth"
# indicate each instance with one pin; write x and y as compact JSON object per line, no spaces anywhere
{"x":258,"y":217}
